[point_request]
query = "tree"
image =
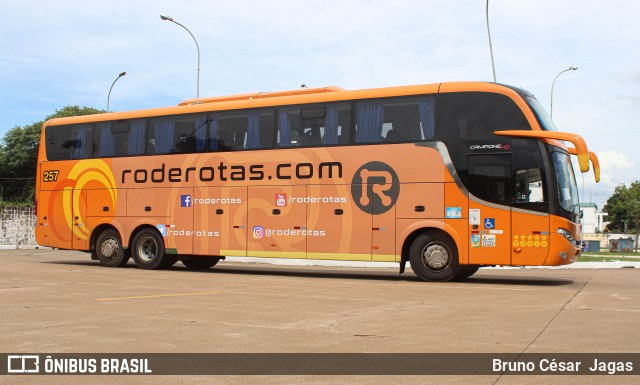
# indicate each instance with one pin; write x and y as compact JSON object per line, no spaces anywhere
{"x":623,"y":208}
{"x":19,"y":155}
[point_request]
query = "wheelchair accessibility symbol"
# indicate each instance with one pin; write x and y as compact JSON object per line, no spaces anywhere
{"x":489,"y":223}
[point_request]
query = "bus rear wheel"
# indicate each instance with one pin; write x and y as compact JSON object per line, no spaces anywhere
{"x":148,"y":251}
{"x":199,"y":262}
{"x":434,"y":257}
{"x":109,"y":250}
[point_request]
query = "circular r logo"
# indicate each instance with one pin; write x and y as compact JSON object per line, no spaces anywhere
{"x":375,"y":188}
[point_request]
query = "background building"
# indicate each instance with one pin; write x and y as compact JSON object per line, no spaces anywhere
{"x":591,"y":218}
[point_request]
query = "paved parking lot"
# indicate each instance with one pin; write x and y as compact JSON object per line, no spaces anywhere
{"x":62,"y":302}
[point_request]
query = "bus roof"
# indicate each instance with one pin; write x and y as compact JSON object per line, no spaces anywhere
{"x":256,"y":95}
{"x":282,"y":98}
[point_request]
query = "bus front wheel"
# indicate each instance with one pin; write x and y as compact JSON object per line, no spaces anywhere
{"x":148,"y":251}
{"x":434,"y":257}
{"x":109,"y":249}
{"x":467,"y":271}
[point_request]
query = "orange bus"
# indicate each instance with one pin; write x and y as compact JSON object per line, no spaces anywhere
{"x":449,"y":177}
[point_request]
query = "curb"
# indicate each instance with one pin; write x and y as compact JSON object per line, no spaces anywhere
{"x":24,"y":247}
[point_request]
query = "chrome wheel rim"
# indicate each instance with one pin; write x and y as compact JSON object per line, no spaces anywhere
{"x":147,"y":249}
{"x":436,"y":256}
{"x":109,"y":248}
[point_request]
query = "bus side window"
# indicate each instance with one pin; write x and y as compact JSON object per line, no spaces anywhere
{"x":82,"y":143}
{"x":231,"y":130}
{"x":162,"y":134}
{"x":242,"y":130}
{"x":288,"y":127}
{"x":225,"y":141}
{"x":369,"y":121}
{"x":476,"y":115}
{"x":488,"y":177}
{"x":137,"y":137}
{"x":190,"y":134}
{"x":528,"y":186}
{"x":267,"y":128}
{"x":399,"y":120}
{"x":336,"y":124}
{"x":105,"y":140}
{"x":120,"y":132}
{"x":402,"y":122}
{"x":527,"y":174}
{"x":69,"y":142}
{"x":314,"y":125}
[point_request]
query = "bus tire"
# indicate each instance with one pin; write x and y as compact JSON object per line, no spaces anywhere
{"x":148,"y":251}
{"x":199,"y":262}
{"x":467,"y":271}
{"x":109,"y":250}
{"x":434,"y":257}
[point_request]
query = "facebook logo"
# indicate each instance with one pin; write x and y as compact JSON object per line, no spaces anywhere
{"x":185,"y":200}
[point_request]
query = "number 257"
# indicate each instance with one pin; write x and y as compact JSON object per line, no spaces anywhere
{"x":50,"y":176}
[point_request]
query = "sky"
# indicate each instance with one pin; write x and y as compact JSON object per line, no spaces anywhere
{"x":69,"y":52}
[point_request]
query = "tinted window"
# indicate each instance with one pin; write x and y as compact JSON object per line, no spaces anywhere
{"x":120,"y":138}
{"x":120,"y":133}
{"x":528,"y":186}
{"x":488,"y":177}
{"x":69,"y":142}
{"x":529,"y":179}
{"x":541,"y":114}
{"x":315,"y":125}
{"x":177,"y":134}
{"x":467,"y":121}
{"x":395,"y":121}
{"x":241,"y":130}
{"x":476,"y":115}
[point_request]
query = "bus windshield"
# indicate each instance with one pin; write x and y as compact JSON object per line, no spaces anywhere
{"x":541,"y":114}
{"x":567,"y":188}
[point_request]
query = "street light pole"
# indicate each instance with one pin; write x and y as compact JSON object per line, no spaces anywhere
{"x":112,"y":84}
{"x":169,"y":18}
{"x":573,"y":68}
{"x":493,"y":67}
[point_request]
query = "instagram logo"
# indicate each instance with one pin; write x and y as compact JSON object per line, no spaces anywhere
{"x":258,"y":232}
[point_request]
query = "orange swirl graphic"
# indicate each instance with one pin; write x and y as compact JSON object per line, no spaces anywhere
{"x":93,"y":174}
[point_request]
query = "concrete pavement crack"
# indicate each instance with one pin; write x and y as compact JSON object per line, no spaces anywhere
{"x":551,"y":320}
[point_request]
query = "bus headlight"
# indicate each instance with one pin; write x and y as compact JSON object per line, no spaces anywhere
{"x":567,"y":234}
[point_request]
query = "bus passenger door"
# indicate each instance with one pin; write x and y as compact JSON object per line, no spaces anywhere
{"x":337,"y":228}
{"x":220,"y":221}
{"x":529,"y":218}
{"x":530,"y":208}
{"x":488,"y":181}
{"x":277,"y":222}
